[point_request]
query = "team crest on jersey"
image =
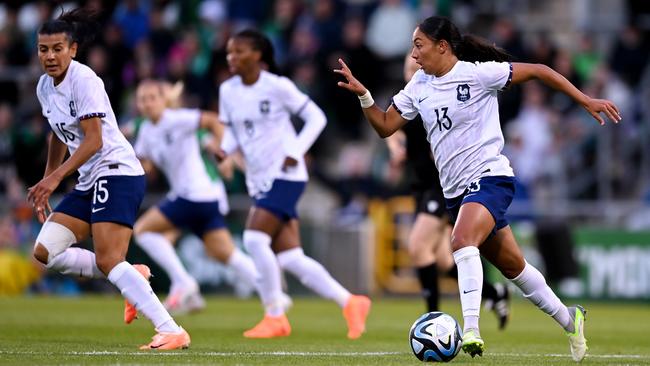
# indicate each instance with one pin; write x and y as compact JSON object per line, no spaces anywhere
{"x":462,"y":92}
{"x":265,"y":107}
{"x":73,"y":110}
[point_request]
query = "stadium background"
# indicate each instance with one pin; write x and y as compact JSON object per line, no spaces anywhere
{"x":585,"y":189}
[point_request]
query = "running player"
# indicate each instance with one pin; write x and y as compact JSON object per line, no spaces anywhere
{"x":455,"y":92}
{"x":111,"y":182}
{"x":256,"y":105}
{"x":170,"y":139}
{"x":429,"y":242}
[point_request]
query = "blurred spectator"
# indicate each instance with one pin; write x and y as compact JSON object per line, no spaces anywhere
{"x":30,"y":147}
{"x":630,"y":55}
{"x":347,"y":116}
{"x":390,"y":29}
{"x":131,"y":16}
{"x":7,"y":169}
{"x":587,"y":58}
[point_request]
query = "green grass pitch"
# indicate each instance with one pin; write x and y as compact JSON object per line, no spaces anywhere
{"x":89,"y":330}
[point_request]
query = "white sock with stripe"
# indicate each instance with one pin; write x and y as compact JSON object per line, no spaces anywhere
{"x":313,"y":275}
{"x":470,"y":284}
{"x":258,"y":245}
{"x":163,"y":253}
{"x":532,"y":283}
{"x":76,"y":261}
{"x":137,"y":290}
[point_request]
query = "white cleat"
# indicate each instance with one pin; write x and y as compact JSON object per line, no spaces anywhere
{"x":184,"y":300}
{"x":577,"y":339}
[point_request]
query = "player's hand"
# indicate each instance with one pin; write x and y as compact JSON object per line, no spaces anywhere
{"x":596,"y":106}
{"x":42,"y":213}
{"x":289,"y":162}
{"x":40,"y":193}
{"x":352,"y":84}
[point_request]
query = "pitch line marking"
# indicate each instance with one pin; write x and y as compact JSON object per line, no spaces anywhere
{"x":309,"y":354}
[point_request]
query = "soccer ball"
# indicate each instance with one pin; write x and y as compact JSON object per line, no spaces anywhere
{"x":435,"y":337}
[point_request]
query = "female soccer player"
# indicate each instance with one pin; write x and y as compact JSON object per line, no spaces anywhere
{"x":429,"y":241}
{"x":455,"y":92}
{"x":111,"y":182}
{"x":256,"y":105}
{"x":170,"y":139}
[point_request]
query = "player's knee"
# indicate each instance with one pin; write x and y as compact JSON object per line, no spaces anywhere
{"x":106,"y":263}
{"x":40,"y":253}
{"x":52,"y":240}
{"x":460,"y":241}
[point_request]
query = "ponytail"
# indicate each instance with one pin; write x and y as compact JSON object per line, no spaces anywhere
{"x":468,"y":47}
{"x":261,"y":43}
{"x":79,"y":25}
{"x":477,"y":49}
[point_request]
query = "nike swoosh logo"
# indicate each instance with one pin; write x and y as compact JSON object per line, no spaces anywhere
{"x":422,"y":100}
{"x":467,"y":292}
{"x":158,"y":345}
{"x":94,"y":210}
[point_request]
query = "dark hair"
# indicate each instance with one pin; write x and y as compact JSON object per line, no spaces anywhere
{"x":79,"y":25}
{"x":261,"y":43}
{"x":466,"y":47}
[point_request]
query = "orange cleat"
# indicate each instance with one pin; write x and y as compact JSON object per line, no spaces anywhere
{"x":270,"y":327}
{"x":355,"y":313}
{"x":169,"y":341}
{"x":130,"y":312}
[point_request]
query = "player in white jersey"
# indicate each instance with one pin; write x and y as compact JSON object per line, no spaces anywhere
{"x":256,"y":105}
{"x":111,"y":183}
{"x":429,"y":241}
{"x":170,"y":139}
{"x":455,"y":93}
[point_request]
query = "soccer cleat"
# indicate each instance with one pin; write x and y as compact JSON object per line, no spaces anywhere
{"x":270,"y":327}
{"x":355,"y":312}
{"x":167,"y":341}
{"x":472,"y":343}
{"x":577,"y":340}
{"x":130,"y":312}
{"x":183,"y":300}
{"x":501,"y":306}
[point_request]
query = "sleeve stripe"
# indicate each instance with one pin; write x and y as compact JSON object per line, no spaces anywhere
{"x":297,"y":113}
{"x":392,"y":102}
{"x":509,"y":77}
{"x":92,"y":115}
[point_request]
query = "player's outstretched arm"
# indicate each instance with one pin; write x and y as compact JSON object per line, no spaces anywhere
{"x":384,"y":122}
{"x":522,"y":72}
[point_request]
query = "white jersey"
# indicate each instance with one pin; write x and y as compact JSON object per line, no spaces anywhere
{"x":80,"y":96}
{"x":173,"y":145}
{"x":461,"y":117}
{"x":258,"y":117}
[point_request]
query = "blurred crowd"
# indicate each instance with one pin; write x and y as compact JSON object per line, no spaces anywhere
{"x":556,"y":149}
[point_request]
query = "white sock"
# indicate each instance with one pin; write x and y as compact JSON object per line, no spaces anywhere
{"x":76,"y":261}
{"x":138,"y":292}
{"x":470,"y":284}
{"x":244,"y":267}
{"x":313,"y":275}
{"x":258,"y":245}
{"x":532,"y":283}
{"x":163,"y":253}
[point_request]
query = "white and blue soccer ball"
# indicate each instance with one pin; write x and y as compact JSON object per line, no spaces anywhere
{"x":435,"y":337}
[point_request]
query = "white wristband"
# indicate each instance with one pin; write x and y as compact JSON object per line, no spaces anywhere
{"x":366,"y":100}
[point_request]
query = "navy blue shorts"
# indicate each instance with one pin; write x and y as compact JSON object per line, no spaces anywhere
{"x":199,"y":217}
{"x":282,"y":198}
{"x":114,"y":198}
{"x":494,"y":193}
